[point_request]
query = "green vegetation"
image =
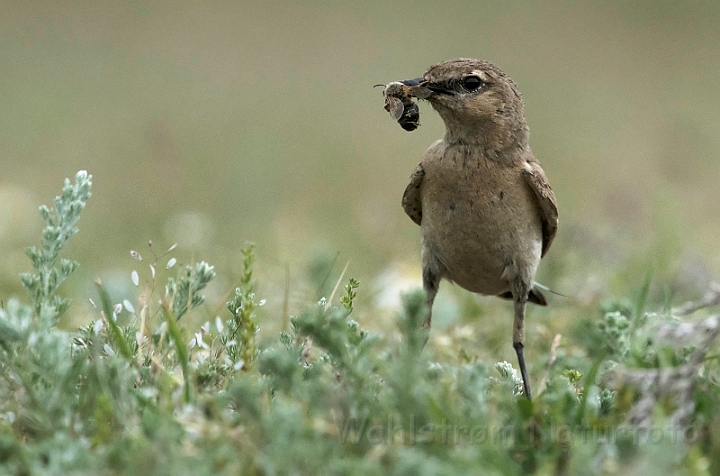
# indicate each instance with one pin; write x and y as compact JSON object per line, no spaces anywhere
{"x":629,"y":391}
{"x":224,"y":122}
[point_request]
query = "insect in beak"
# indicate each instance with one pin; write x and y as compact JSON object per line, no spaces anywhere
{"x":399,"y":103}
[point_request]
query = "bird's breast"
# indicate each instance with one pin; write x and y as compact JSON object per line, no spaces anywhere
{"x":479,"y":217}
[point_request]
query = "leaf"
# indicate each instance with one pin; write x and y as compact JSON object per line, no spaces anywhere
{"x":114,"y":328}
{"x":180,"y":348}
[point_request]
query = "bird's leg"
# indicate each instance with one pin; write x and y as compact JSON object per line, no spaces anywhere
{"x":431,"y":283}
{"x":432,"y":273}
{"x":519,"y":339}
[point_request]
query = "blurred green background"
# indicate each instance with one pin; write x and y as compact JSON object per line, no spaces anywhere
{"x":215,"y":123}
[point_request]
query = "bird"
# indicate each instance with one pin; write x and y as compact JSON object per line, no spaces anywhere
{"x":485,"y":208}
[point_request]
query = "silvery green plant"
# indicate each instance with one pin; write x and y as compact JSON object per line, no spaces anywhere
{"x":239,"y":341}
{"x":47,"y":277}
{"x":33,"y":354}
{"x":185,"y":291}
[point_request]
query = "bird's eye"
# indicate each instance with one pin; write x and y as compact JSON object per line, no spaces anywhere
{"x":471,"y":83}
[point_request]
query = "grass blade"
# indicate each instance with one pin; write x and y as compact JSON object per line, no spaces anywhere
{"x":122,"y":344}
{"x":180,"y":348}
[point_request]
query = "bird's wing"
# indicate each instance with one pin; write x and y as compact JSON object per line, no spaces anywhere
{"x":411,"y":198}
{"x":535,"y":178}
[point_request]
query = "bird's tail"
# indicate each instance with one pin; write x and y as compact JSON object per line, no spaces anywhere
{"x":535,"y":296}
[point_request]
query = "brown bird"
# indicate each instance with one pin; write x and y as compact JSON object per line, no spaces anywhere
{"x":484,"y":206}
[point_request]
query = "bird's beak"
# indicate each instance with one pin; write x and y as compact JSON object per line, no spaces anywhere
{"x":413,"y":82}
{"x":418,"y":88}
{"x":421,"y":88}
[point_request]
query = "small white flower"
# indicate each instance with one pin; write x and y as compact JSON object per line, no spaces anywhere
{"x":192,"y":343}
{"x":219,"y":324}
{"x":136,"y":255}
{"x":128,"y":305}
{"x":262,"y":302}
{"x":152,"y":271}
{"x":135,"y":278}
{"x":199,"y":340}
{"x":171,"y":262}
{"x":97,"y":326}
{"x":239,"y":364}
{"x":206,"y":327}
{"x":108,"y":350}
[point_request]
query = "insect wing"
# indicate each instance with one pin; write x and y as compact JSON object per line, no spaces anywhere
{"x":395,"y":107}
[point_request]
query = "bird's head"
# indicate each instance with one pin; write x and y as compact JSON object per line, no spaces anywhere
{"x":476,"y":100}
